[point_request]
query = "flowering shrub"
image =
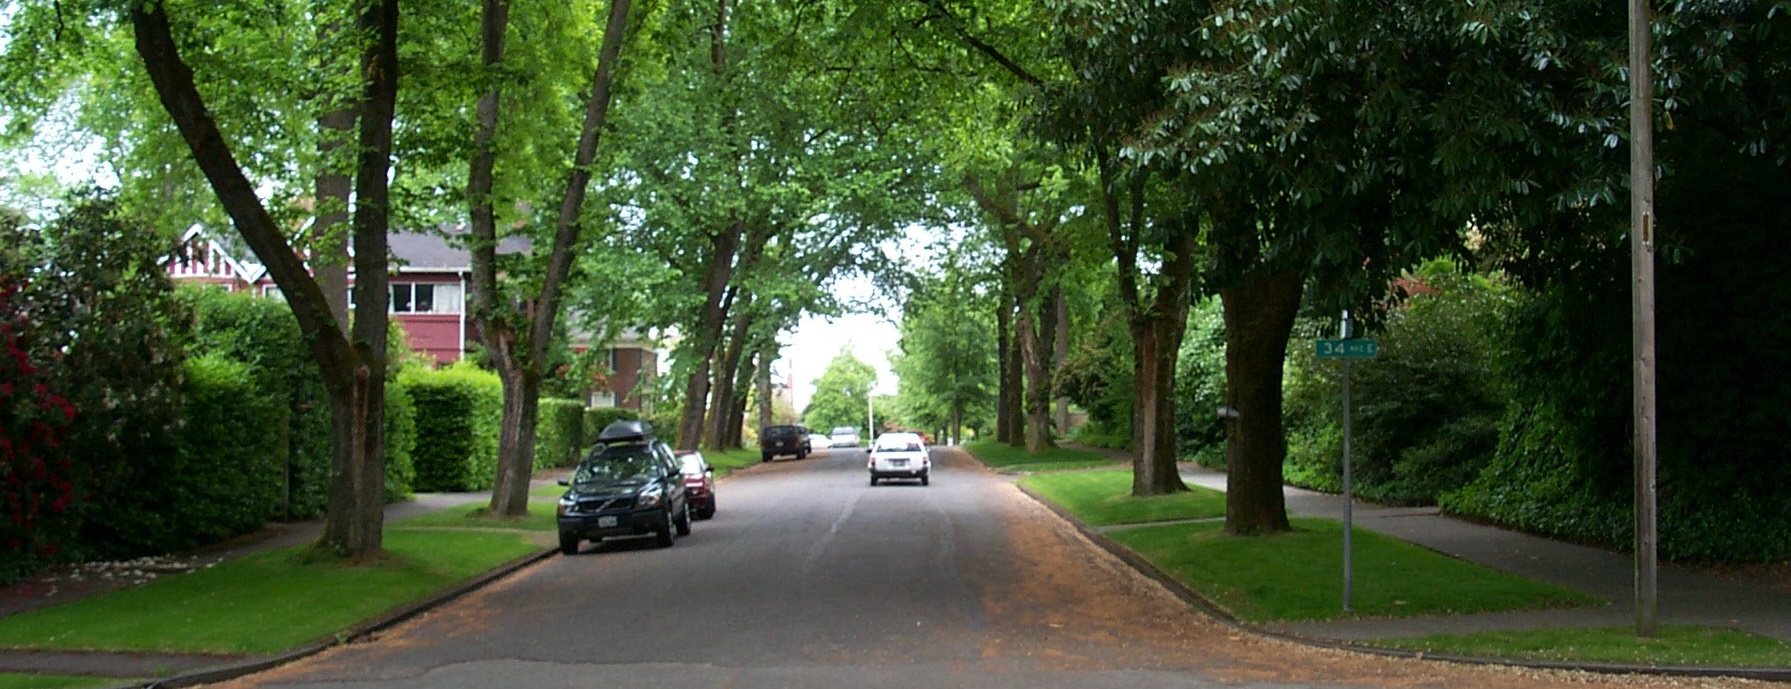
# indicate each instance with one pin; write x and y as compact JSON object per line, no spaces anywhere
{"x":34,"y":486}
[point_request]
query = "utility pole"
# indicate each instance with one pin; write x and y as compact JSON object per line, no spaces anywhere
{"x":1642,"y":233}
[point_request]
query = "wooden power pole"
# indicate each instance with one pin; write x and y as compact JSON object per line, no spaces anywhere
{"x":1642,"y":241}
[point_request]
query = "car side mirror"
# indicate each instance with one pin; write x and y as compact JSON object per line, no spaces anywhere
{"x":564,"y":482}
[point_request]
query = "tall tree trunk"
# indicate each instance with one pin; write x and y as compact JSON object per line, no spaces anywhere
{"x":1038,"y":335}
{"x":1015,"y":382}
{"x":1259,"y":314}
{"x":353,"y":370}
{"x":727,"y":374}
{"x":767,"y":397}
{"x":1004,"y":395}
{"x":1156,"y":338}
{"x":707,"y":334}
{"x":526,"y":352}
{"x":1060,"y":415}
{"x":364,"y":480}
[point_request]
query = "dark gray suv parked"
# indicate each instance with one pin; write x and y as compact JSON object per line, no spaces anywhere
{"x":630,"y":485}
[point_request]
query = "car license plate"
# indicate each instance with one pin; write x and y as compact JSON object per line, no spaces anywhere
{"x":606,"y":522}
{"x":898,"y":462}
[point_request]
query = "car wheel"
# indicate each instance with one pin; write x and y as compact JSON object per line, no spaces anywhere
{"x":873,"y":480}
{"x":765,"y":456}
{"x":568,"y":544}
{"x":923,"y":479}
{"x":707,"y":511}
{"x":666,"y":533}
{"x":683,"y":523}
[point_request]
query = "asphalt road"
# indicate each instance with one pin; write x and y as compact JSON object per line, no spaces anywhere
{"x":807,"y":577}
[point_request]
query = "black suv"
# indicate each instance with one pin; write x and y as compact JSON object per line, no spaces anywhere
{"x":783,"y":440}
{"x":630,"y":485}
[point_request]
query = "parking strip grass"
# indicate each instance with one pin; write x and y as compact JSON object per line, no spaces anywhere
{"x":268,"y":602}
{"x":1673,"y":646}
{"x":1298,"y":576}
{"x":21,"y":680}
{"x":1004,"y":457}
{"x":1102,"y":498}
{"x":477,"y":516}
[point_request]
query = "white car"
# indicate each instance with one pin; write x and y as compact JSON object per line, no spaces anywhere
{"x":818,"y":441}
{"x":843,"y":436}
{"x":899,"y":455}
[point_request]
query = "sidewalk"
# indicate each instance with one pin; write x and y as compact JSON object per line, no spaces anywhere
{"x":139,"y":666}
{"x":1686,"y":597}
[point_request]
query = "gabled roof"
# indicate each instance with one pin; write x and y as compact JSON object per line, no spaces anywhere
{"x":247,"y":271}
{"x":431,"y":252}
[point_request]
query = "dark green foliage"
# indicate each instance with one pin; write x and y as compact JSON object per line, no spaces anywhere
{"x":225,"y":478}
{"x":457,"y":410}
{"x":1097,"y":375}
{"x":101,"y":298}
{"x":665,"y":423}
{"x":559,"y":433}
{"x":1426,"y":409}
{"x":596,"y":419}
{"x":1200,"y":386}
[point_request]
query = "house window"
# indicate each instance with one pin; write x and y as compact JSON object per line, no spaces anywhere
{"x":273,"y":291}
{"x":423,"y":297}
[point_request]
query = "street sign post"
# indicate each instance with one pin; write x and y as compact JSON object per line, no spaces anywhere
{"x":1347,"y":348}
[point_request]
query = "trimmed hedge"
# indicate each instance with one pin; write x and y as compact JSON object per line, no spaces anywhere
{"x":596,"y":419}
{"x":219,"y":484}
{"x":263,"y":334}
{"x":559,"y":433}
{"x":458,"y":410}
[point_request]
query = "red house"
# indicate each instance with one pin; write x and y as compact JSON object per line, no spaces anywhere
{"x":428,"y":298}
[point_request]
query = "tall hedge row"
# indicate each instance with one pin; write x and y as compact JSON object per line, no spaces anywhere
{"x":458,"y":410}
{"x":559,"y":433}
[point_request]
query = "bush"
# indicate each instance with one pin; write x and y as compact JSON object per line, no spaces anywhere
{"x":1426,"y":409}
{"x":1200,"y":386}
{"x":458,"y":410}
{"x":401,"y":442}
{"x":559,"y":433}
{"x":225,"y":480}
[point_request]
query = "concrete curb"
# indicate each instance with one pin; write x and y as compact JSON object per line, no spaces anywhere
{"x":1218,"y":612}
{"x":351,"y":635}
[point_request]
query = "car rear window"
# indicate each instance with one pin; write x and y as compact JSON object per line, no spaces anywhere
{"x":781,"y":432}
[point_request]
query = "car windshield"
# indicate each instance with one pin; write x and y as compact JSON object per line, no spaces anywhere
{"x":610,"y":469}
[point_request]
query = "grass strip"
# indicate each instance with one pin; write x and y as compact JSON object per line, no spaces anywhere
{"x":264,"y":603}
{"x":19,"y":680}
{"x":726,"y":462}
{"x":1102,"y":498}
{"x":1705,"y":646}
{"x":1298,"y":576}
{"x":478,"y":516}
{"x":999,"y":455}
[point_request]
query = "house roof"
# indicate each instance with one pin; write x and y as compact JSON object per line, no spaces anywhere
{"x":432,"y":252}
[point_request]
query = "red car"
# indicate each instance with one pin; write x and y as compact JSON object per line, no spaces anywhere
{"x":699,"y":483}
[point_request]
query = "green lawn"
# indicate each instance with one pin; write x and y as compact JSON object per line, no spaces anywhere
{"x":473,"y":516}
{"x":1299,"y":575}
{"x":267,"y":602}
{"x":16,"y":680}
{"x":1101,"y":498}
{"x":1674,"y":646}
{"x":726,"y":462}
{"x":1002,"y":456}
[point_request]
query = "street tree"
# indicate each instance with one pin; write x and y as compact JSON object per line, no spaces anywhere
{"x":842,"y":394}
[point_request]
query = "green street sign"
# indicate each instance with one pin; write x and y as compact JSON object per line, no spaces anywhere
{"x":1347,"y":349}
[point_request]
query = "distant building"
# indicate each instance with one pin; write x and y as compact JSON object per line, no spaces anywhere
{"x":428,"y":299}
